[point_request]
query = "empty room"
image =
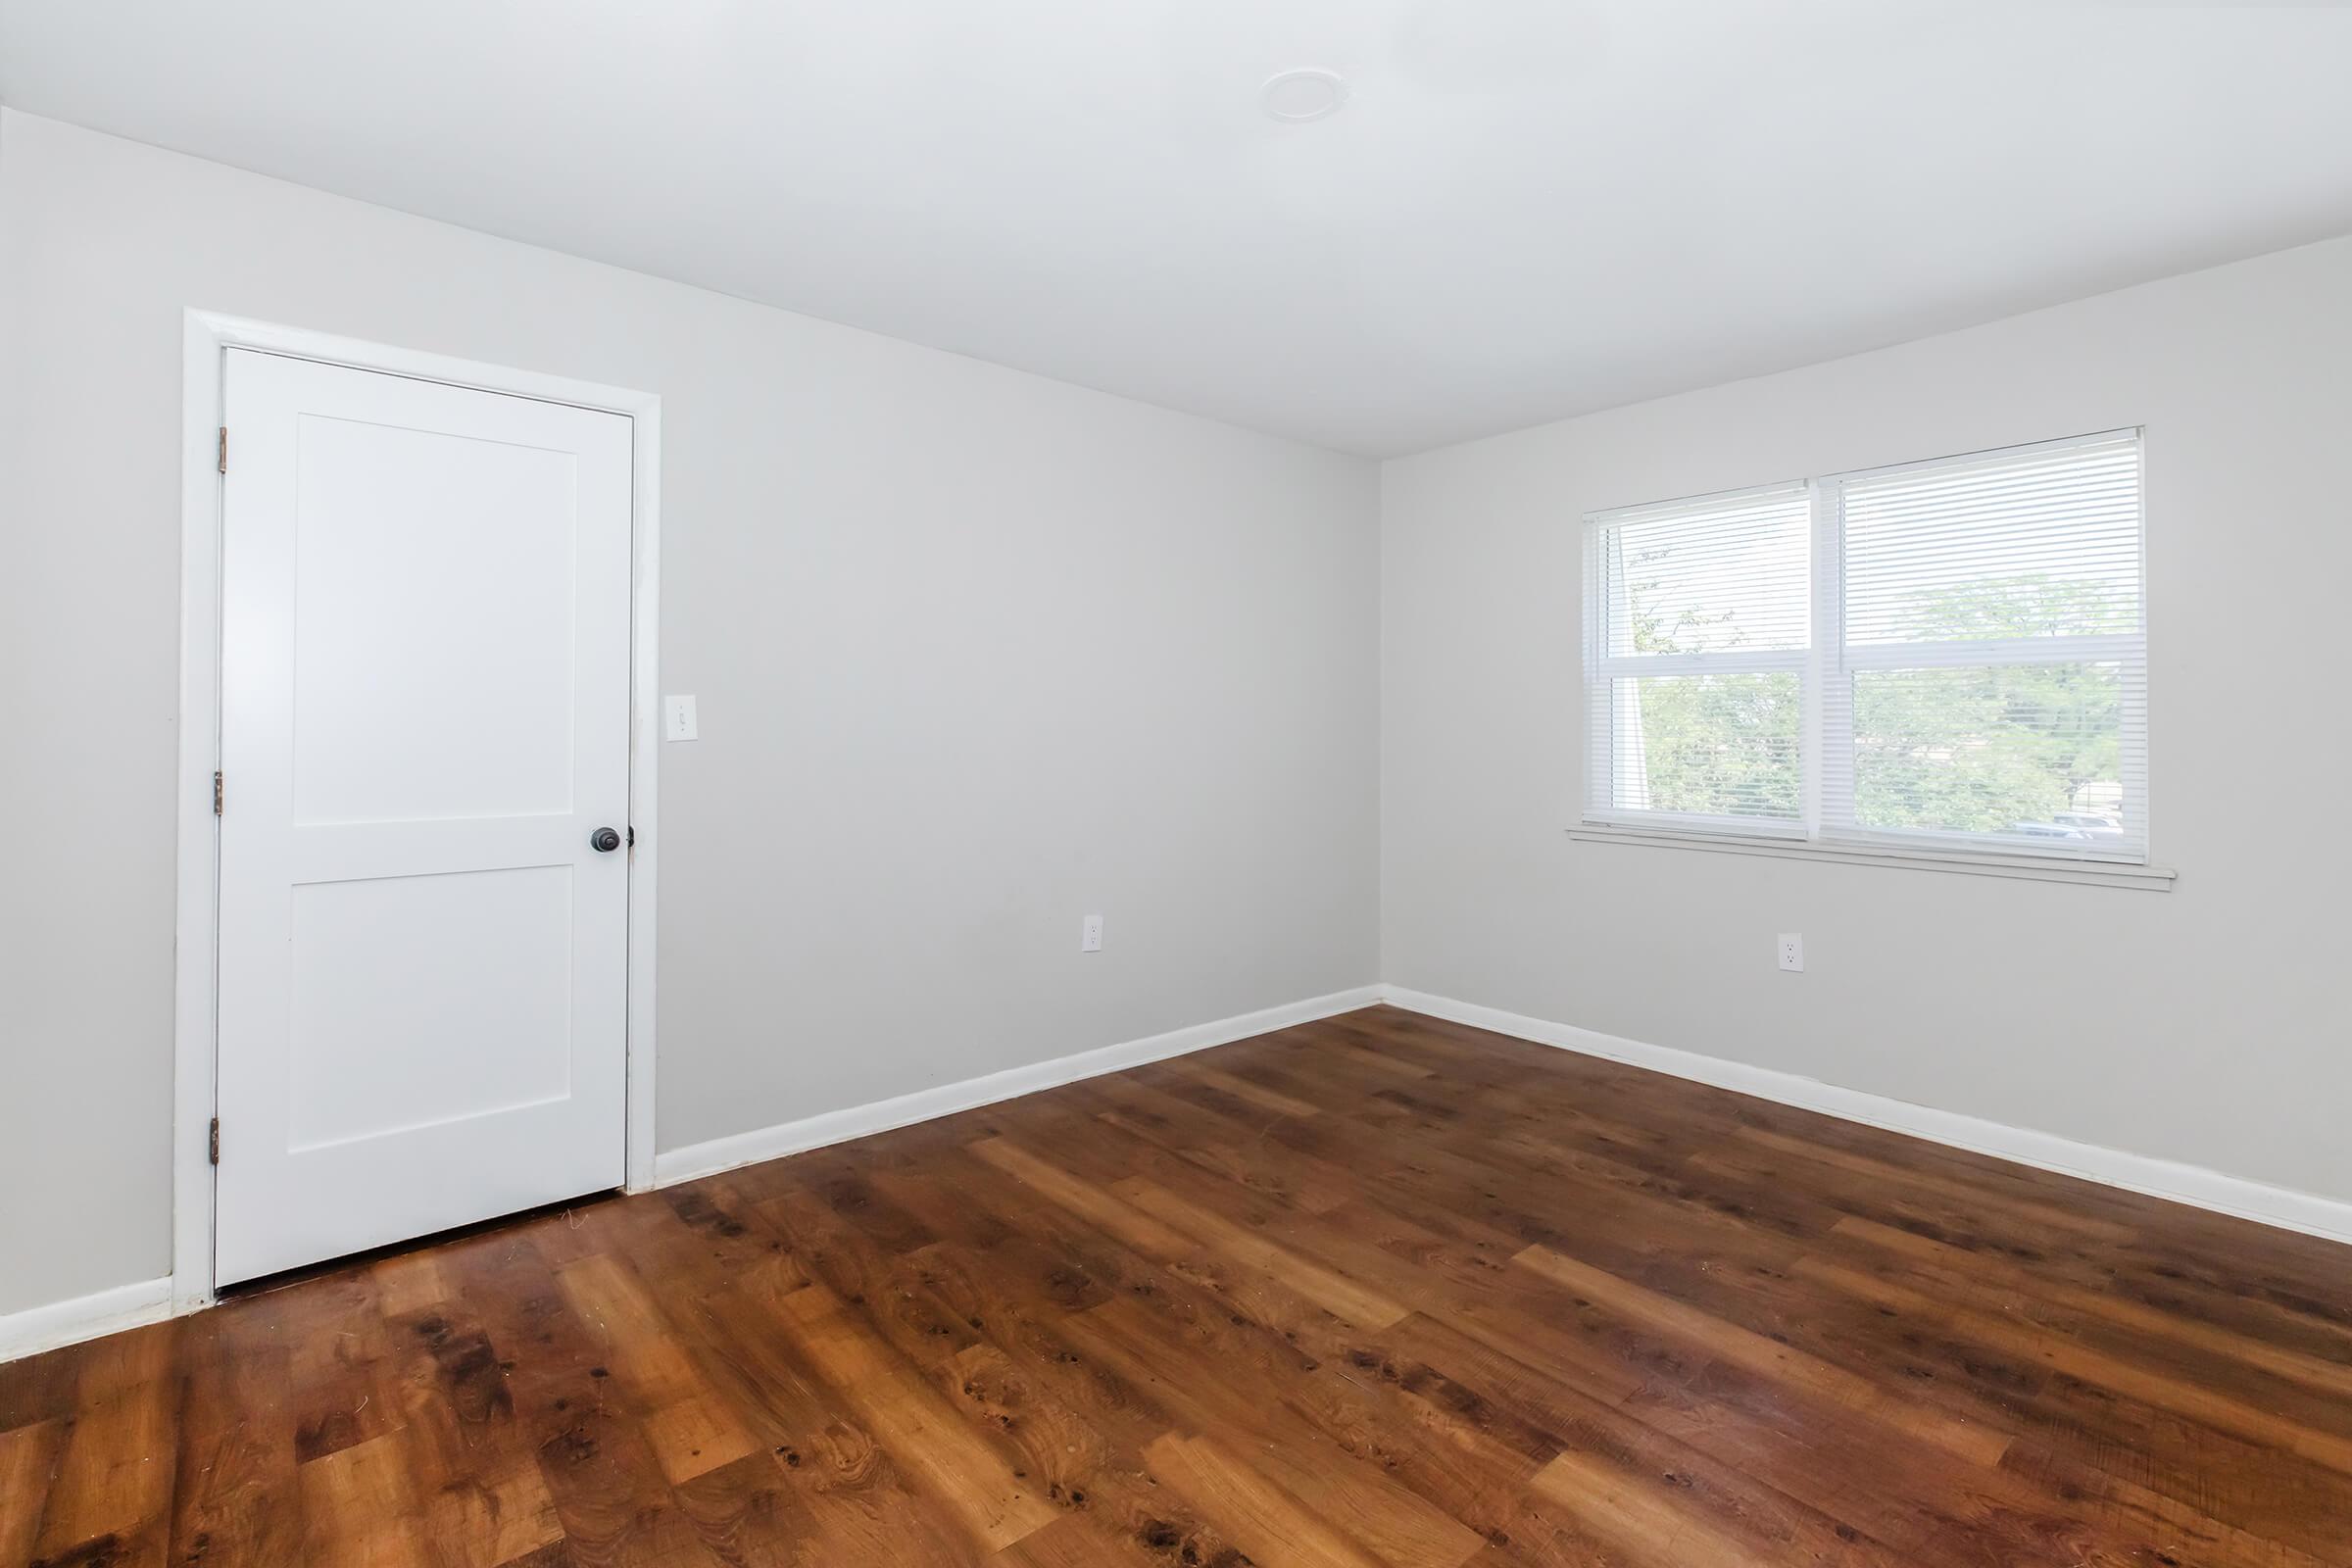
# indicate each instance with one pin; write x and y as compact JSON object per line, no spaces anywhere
{"x":1174,"y":784}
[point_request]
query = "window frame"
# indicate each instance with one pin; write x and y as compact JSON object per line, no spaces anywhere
{"x":1603,"y":668}
{"x":1825,"y":827}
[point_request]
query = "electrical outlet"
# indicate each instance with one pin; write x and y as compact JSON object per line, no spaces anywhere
{"x":1090,"y":935}
{"x":1793,"y":951}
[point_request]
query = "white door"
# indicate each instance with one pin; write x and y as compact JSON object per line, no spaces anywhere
{"x":424,"y":723}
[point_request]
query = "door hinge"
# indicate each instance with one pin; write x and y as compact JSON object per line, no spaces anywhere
{"x":216,"y":794}
{"x":225,"y":449}
{"x":216,"y":1140}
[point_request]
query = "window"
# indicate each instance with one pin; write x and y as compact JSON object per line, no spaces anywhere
{"x":1945,"y":656}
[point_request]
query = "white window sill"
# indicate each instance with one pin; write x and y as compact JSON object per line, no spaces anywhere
{"x":2035,"y":869}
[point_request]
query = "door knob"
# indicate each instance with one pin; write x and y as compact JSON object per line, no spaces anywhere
{"x":603,"y":841}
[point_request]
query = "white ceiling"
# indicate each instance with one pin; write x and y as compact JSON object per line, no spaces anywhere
{"x":1527,"y":207}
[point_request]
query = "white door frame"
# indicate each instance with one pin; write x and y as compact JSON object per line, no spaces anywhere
{"x":195,"y":1008}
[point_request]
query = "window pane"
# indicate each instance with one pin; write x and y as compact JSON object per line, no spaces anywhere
{"x":2031,"y":750}
{"x":1708,"y":744}
{"x":1708,"y":577}
{"x":2032,"y":544}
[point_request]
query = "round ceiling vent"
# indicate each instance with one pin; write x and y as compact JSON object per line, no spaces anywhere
{"x":1298,"y":95}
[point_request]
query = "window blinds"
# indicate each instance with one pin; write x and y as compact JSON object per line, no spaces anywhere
{"x":1946,"y":654}
{"x":1990,"y":682}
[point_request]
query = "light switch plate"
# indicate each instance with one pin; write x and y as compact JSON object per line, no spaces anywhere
{"x":677,"y":718}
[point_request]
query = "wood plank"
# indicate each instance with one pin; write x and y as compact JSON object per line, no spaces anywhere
{"x":2085,"y":1365}
{"x":360,"y":1507}
{"x":484,"y":1498}
{"x":1272,"y":1525}
{"x":691,"y":1431}
{"x":1258,"y":1095}
{"x":1742,"y":1347}
{"x":1073,"y":1542}
{"x":1643,"y":1512}
{"x":954,"y":1459}
{"x":27,"y":1463}
{"x":1947,"y":1262}
{"x":110,"y":1497}
{"x":1328,"y":1288}
{"x":1114,"y":1217}
{"x":237,"y":1497}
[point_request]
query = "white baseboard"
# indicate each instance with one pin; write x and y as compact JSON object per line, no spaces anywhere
{"x":2282,"y":1206}
{"x":85,"y":1317}
{"x":858,"y":1121}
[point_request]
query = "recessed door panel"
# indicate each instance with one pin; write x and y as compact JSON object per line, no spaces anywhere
{"x":426,"y":690}
{"x":370,"y":1052}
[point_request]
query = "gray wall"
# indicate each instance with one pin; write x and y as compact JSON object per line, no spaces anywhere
{"x":977,"y":654}
{"x":2207,"y":1024}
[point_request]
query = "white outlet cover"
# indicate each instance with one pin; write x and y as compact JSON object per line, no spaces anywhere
{"x":1789,"y":950}
{"x":1089,"y":934}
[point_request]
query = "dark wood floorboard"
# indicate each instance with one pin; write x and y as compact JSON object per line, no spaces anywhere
{"x":1381,"y":1292}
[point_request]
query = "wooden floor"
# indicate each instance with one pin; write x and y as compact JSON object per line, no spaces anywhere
{"x":1377,"y":1290}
